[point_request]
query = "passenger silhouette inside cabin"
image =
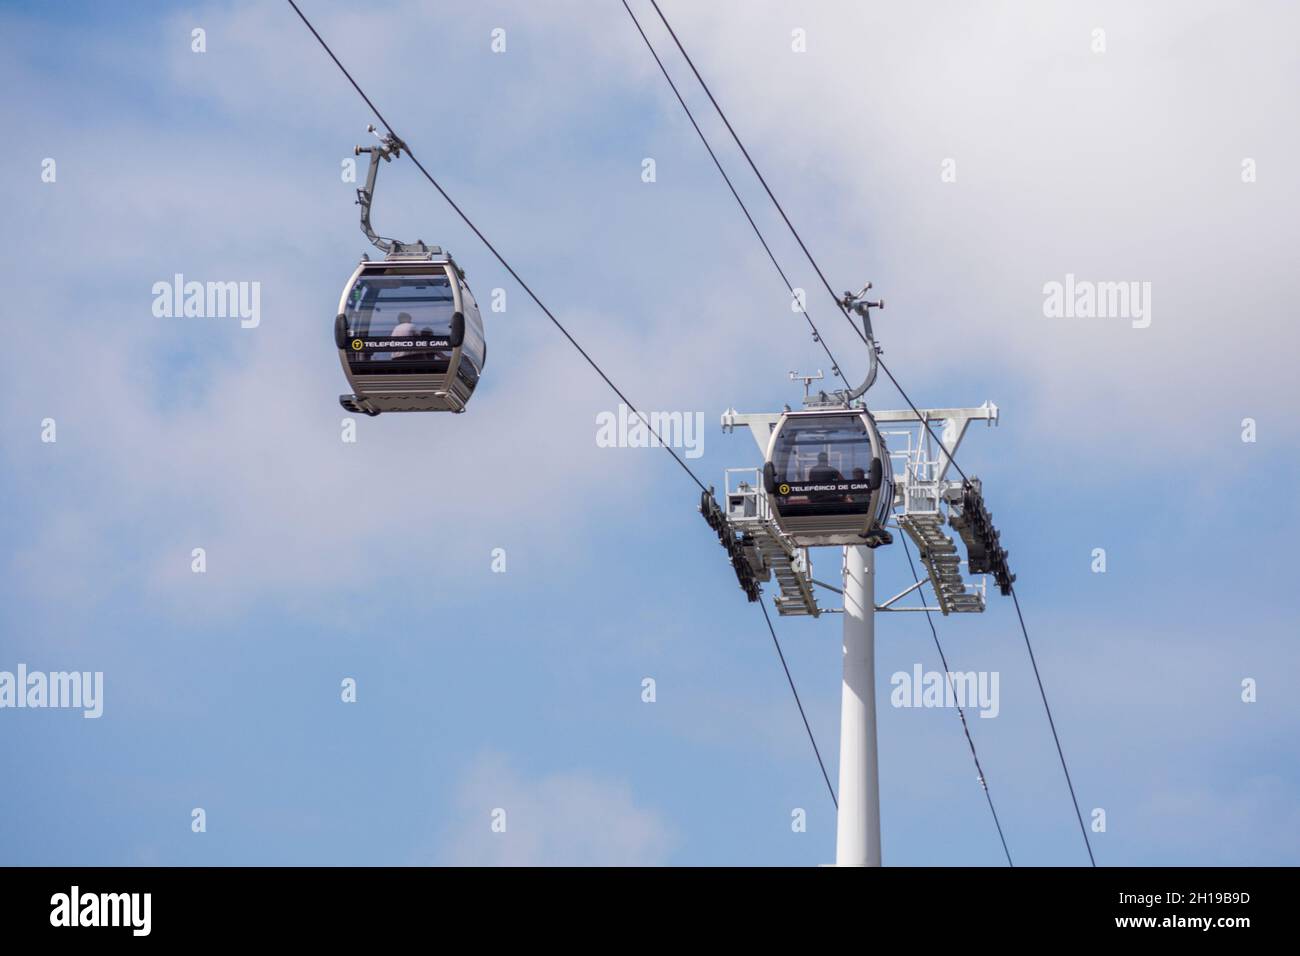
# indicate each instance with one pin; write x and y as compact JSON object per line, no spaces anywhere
{"x":404,"y":329}
{"x":822,"y":471}
{"x":859,"y":474}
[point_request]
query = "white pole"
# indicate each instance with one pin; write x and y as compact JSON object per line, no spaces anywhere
{"x":857,"y":837}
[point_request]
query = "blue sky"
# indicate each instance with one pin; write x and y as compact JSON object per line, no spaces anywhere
{"x":522,"y":690}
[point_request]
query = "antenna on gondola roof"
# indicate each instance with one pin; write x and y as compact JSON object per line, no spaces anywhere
{"x":807,"y":382}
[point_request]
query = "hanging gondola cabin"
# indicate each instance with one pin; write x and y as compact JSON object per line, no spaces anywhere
{"x":828,"y":478}
{"x":409,"y":336}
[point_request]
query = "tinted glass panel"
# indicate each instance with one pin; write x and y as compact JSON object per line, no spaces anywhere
{"x":474,"y":349}
{"x":400,"y":319}
{"x":822,"y":463}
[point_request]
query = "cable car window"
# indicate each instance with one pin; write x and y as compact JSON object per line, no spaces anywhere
{"x":474,"y":347}
{"x":824,"y":462}
{"x":396,"y":315}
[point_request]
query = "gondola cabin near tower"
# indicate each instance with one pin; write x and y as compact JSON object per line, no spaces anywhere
{"x":828,"y":478}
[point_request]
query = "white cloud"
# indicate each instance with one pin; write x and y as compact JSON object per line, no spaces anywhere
{"x":1121,"y":166}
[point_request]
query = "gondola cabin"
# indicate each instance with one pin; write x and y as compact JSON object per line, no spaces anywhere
{"x":409,"y":335}
{"x":828,"y":478}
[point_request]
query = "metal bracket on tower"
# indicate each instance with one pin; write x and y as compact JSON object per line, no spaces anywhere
{"x":975,"y":525}
{"x":759,"y":550}
{"x":924,"y":493}
{"x":747,"y":570}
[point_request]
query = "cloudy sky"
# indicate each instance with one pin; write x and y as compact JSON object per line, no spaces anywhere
{"x":960,"y":156}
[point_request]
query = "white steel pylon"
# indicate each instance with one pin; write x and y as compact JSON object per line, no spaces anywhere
{"x":925,"y":499}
